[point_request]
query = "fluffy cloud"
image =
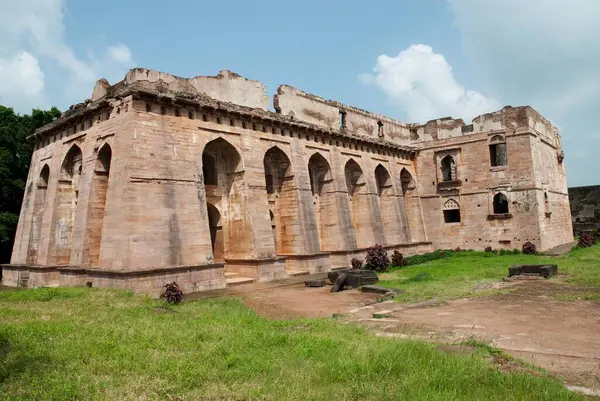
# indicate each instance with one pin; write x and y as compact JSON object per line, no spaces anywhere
{"x":544,"y":53}
{"x":421,"y":83}
{"x":21,"y":80}
{"x":34,"y":30}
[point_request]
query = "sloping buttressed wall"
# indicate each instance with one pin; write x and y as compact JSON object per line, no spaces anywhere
{"x":585,"y":207}
{"x":226,"y":86}
{"x":312,"y":109}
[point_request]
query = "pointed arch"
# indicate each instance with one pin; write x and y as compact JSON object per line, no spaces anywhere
{"x":451,"y":211}
{"x":221,"y":163}
{"x":39,"y":205}
{"x":354,"y":176}
{"x":282,"y":200}
{"x":71,"y":165}
{"x":384,"y":180}
{"x":406,"y":181}
{"x":97,"y":206}
{"x":65,"y":207}
{"x":319,"y":172}
{"x":277,"y":167}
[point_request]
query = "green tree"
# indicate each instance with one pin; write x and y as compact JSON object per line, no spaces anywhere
{"x":15,"y":156}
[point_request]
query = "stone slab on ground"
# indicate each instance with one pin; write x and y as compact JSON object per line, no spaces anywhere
{"x":377,"y":289}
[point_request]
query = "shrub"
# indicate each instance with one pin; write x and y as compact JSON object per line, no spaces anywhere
{"x":377,"y":258}
{"x":398,"y":259}
{"x":516,"y":251}
{"x":503,"y":252}
{"x":586,"y":240}
{"x":457,"y":249}
{"x":356,"y":263}
{"x":529,"y":248}
{"x":172,"y":294}
{"x":489,"y":249}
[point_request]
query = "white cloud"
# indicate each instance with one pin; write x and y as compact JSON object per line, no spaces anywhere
{"x":421,"y":83}
{"x":36,"y":27}
{"x":545,"y":53}
{"x":21,"y":80}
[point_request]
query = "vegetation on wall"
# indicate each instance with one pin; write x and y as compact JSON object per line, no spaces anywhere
{"x":15,"y":156}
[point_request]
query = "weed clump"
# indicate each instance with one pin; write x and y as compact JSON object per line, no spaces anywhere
{"x":529,"y":248}
{"x":172,"y":293}
{"x":398,"y":259}
{"x":356,"y":263}
{"x":377,"y":258}
{"x":586,"y":240}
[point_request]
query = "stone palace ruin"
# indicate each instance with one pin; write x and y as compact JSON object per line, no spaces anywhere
{"x":159,"y":178}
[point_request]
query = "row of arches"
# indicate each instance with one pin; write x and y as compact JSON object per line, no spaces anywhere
{"x":66,"y":200}
{"x":222,"y":168}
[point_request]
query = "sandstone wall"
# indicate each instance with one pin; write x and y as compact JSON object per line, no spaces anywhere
{"x":585,"y":207}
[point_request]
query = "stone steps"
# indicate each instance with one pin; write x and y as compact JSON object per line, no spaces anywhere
{"x":233,"y":278}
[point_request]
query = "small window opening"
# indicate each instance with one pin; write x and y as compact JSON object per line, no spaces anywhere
{"x":264,"y":129}
{"x":380,"y":129}
{"x":218,"y":120}
{"x":190,"y":115}
{"x":148,"y":107}
{"x":243,"y":124}
{"x":126,"y":107}
{"x":232,"y":123}
{"x":500,"y":204}
{"x":204,"y":118}
{"x":163,"y":110}
{"x":342,"y":119}
{"x":448,"y":169}
{"x":498,"y":151}
{"x":452,"y":216}
{"x":451,"y":211}
{"x":118,"y":110}
{"x":177,"y":112}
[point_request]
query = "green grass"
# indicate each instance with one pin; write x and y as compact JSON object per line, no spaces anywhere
{"x":456,"y":276}
{"x":88,"y":343}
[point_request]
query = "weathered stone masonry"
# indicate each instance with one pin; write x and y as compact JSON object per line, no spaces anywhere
{"x":159,"y":178}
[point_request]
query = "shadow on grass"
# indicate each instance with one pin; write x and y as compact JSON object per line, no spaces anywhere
{"x":15,"y":362}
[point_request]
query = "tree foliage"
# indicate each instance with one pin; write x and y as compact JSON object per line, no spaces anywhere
{"x":15,"y":155}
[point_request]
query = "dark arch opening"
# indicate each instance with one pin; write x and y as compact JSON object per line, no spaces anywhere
{"x":500,"y":204}
{"x":319,"y":173}
{"x":277,"y":167}
{"x":216,"y":234}
{"x":448,"y":168}
{"x":354,"y":176}
{"x":383,"y":179}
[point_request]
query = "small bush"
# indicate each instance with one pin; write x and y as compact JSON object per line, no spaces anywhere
{"x":516,"y":251}
{"x":398,"y":259}
{"x":529,"y":248}
{"x":356,"y":263}
{"x":489,"y":249}
{"x":377,"y":258}
{"x":457,"y":249}
{"x":172,"y":294}
{"x":586,"y":240}
{"x":503,"y":252}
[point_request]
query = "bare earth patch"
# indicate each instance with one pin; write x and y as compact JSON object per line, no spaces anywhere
{"x":525,"y":320}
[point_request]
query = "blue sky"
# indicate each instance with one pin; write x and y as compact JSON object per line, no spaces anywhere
{"x":412,"y":60}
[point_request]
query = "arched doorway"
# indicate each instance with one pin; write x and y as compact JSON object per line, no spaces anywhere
{"x":321,"y":184}
{"x":359,"y":204}
{"x":39,"y":204}
{"x":226,"y":205}
{"x":282,"y":198}
{"x":97,"y":206}
{"x":67,"y":196}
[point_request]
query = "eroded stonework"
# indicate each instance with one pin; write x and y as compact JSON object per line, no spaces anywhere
{"x":160,"y":178}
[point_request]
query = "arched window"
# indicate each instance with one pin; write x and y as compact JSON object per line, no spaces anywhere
{"x":177,"y":112}
{"x":451,"y":211}
{"x":500,"y":204}
{"x":497,"y":151}
{"x":148,"y":107}
{"x":448,"y":167}
{"x":190,"y":115}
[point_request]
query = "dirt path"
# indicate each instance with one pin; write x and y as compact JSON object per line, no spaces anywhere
{"x":561,"y":337}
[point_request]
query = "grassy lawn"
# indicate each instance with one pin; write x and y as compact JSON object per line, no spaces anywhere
{"x":458,"y":275}
{"x":88,"y":343}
